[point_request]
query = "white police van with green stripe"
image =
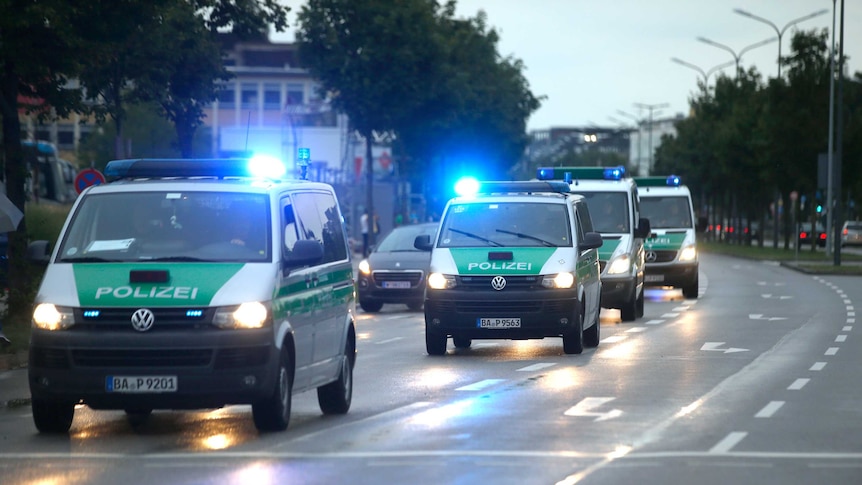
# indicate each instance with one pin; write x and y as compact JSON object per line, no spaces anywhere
{"x":186,"y":284}
{"x":513,"y":260}
{"x":672,"y":248}
{"x":614,"y":205}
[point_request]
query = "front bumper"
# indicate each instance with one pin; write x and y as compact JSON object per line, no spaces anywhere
{"x":213,"y":368}
{"x":543,"y":313}
{"x":670,"y":274}
{"x":388,"y":287}
{"x":617,"y":291}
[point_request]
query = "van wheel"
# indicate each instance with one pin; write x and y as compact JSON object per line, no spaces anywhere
{"x":273,"y":413}
{"x":370,"y":306}
{"x":435,"y":342}
{"x":690,"y":291}
{"x":461,"y":342}
{"x":335,"y":397}
{"x":573,"y":340}
{"x":639,"y":312}
{"x":52,"y":416}
{"x":593,"y":333}
{"x":629,"y":311}
{"x":138,"y":417}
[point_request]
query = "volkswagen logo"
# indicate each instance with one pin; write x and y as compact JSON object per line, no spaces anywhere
{"x":498,"y":283}
{"x":142,"y":319}
{"x":651,"y":256}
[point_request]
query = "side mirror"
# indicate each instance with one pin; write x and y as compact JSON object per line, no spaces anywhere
{"x":423,"y":243}
{"x":305,"y":252}
{"x":592,"y":240}
{"x":644,"y":229}
{"x":39,"y":252}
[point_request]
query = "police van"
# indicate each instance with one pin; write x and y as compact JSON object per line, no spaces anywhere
{"x":187,"y":284}
{"x":671,"y":250}
{"x":513,"y":260}
{"x":613,"y":200}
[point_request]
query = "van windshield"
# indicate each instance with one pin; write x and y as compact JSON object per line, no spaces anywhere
{"x":672,"y":212}
{"x":169,"y":226}
{"x":505,"y":224}
{"x":609,"y":211}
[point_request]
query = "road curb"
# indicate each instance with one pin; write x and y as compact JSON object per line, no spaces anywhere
{"x":17,"y":360}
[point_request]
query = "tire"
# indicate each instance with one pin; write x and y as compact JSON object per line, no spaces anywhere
{"x":273,"y":413}
{"x":370,"y":306}
{"x":335,"y":397}
{"x":138,"y":417}
{"x":690,"y":291}
{"x":415,"y":306}
{"x":592,"y":335}
{"x":639,"y":312}
{"x":52,"y":416}
{"x":573,"y":340}
{"x":461,"y":342}
{"x":629,"y":311}
{"x":435,"y":342}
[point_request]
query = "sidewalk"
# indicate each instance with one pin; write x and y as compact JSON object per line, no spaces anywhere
{"x":14,"y":389}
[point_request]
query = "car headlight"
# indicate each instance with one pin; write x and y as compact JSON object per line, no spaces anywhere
{"x":364,"y":267}
{"x":620,"y":264}
{"x":559,"y":280}
{"x":439,"y":281}
{"x":47,"y":316}
{"x":688,"y":253}
{"x":247,"y":315}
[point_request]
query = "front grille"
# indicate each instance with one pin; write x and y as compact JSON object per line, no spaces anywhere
{"x":49,"y":358}
{"x":241,"y":357}
{"x":483,"y":283}
{"x":664,"y":256}
{"x":142,"y":358}
{"x":499,"y":307}
{"x":413,"y":277}
{"x":120,"y":319}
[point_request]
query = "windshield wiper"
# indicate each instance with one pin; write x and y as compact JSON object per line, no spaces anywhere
{"x":180,"y":258}
{"x":476,"y":236}
{"x":527,"y":236}
{"x":88,"y":259}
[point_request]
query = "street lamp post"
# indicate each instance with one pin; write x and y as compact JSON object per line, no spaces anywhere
{"x":650,"y":108}
{"x":737,"y":57}
{"x":639,"y":123}
{"x":703,"y":73}
{"x":778,"y":31}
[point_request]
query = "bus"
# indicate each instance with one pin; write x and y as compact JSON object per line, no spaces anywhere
{"x":50,"y":178}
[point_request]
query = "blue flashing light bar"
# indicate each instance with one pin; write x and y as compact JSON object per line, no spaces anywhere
{"x":580,"y":173}
{"x":659,"y":181}
{"x":184,"y":168}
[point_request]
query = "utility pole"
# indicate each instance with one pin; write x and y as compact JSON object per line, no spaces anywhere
{"x":650,"y":108}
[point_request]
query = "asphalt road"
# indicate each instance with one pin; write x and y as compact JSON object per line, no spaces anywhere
{"x":754,"y":382}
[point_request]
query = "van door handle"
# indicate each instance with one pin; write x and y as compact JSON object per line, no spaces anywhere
{"x":309,"y":280}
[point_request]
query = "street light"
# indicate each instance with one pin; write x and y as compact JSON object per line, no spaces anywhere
{"x":703,"y":73}
{"x":639,"y":123}
{"x":650,"y":108}
{"x":778,"y":31}
{"x":737,"y":57}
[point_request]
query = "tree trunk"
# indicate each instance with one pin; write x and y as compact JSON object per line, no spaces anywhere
{"x":185,"y":137}
{"x":369,"y":176}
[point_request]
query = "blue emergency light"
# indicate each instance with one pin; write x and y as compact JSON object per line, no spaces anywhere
{"x":580,"y":173}
{"x":659,"y":181}
{"x":259,"y":166}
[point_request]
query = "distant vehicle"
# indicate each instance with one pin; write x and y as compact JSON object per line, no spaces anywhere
{"x":49,"y":177}
{"x":807,"y":235}
{"x":851,"y":233}
{"x":395,"y":271}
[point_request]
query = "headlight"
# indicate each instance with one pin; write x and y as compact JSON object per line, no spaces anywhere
{"x":560,"y":280}
{"x":688,"y":253}
{"x":620,"y":264}
{"x":438,"y":281}
{"x":247,"y":315}
{"x":49,"y":317}
{"x":364,"y":267}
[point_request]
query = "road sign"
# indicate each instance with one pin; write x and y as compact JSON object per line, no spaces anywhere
{"x":88,"y":177}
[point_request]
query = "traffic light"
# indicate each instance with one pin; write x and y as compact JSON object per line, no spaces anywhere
{"x":819,"y":208}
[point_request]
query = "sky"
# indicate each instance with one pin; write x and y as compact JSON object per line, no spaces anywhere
{"x":592,"y":60}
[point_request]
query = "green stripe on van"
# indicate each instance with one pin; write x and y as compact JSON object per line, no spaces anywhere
{"x":475,"y":261}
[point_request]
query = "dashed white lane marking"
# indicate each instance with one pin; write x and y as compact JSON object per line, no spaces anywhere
{"x":653,"y":322}
{"x":850,"y":308}
{"x":393,"y":317}
{"x":851,"y":320}
{"x":841,"y":338}
{"x":728,"y":442}
{"x":670,"y":315}
{"x":798,"y":384}
{"x":636,"y":330}
{"x":535,"y":367}
{"x":614,"y":339}
{"x":393,"y":339}
{"x":847,"y":302}
{"x":680,"y":309}
{"x":831,"y":351}
{"x":818,"y":366}
{"x":769,"y":409}
{"x":847,"y":328}
{"x":478,"y":386}
{"x":851,"y":314}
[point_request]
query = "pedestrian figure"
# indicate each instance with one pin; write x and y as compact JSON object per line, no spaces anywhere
{"x":363,"y":226}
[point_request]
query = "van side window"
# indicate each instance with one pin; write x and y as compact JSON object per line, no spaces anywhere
{"x":289,"y":229}
{"x":583,"y":212}
{"x":308,"y":219}
{"x":334,"y":243}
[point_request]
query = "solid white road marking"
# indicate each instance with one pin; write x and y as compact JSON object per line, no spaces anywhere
{"x":540,"y":366}
{"x":670,"y":315}
{"x":728,"y":442}
{"x":818,"y":366}
{"x":777,"y":297}
{"x":614,"y":339}
{"x":714,"y":346}
{"x":588,"y":404}
{"x":831,"y":351}
{"x":478,"y":386}
{"x":841,"y":338}
{"x":769,"y":409}
{"x":798,"y":384}
{"x":393,"y":339}
{"x":636,"y":330}
{"x":759,"y":316}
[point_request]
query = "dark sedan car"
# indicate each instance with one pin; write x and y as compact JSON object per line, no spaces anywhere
{"x":807,"y":235}
{"x":395,"y":271}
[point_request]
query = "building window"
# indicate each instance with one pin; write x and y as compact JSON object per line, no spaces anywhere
{"x":248,"y":96}
{"x":227,"y":96}
{"x":295,"y":94}
{"x":271,"y":96}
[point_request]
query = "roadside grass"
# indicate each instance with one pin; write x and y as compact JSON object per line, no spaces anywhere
{"x":805,"y":259}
